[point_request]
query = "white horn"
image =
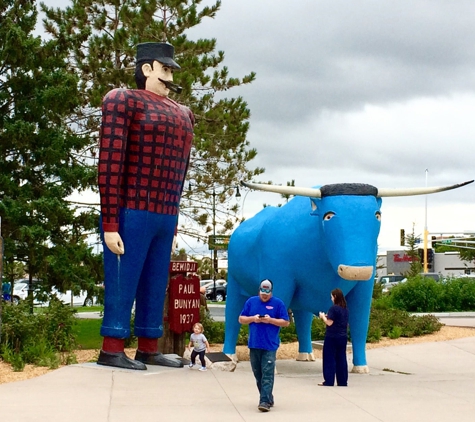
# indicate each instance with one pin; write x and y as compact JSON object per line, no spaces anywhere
{"x":285,"y":190}
{"x":387,"y":192}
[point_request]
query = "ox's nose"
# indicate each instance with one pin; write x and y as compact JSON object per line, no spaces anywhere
{"x":348,"y":272}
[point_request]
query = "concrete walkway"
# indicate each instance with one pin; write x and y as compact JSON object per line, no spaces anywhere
{"x":433,"y":382}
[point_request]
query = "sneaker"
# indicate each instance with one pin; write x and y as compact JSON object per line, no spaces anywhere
{"x":190,"y":365}
{"x":264,"y":407}
{"x":203,"y":368}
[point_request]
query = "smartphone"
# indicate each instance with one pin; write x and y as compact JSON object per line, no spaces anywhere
{"x":262,"y":316}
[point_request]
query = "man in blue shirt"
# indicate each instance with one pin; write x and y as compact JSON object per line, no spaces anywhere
{"x":265,"y":315}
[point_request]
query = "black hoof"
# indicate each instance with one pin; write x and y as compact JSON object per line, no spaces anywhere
{"x":119,"y":360}
{"x":158,"y":359}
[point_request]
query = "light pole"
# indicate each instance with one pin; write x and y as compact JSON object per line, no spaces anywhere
{"x":215,"y":250}
{"x":425,"y":230}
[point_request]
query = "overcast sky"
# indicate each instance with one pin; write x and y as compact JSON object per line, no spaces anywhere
{"x":359,"y":91}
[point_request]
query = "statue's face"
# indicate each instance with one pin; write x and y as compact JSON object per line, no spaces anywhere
{"x":153,"y":75}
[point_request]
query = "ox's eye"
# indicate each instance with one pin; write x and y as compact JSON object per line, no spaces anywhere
{"x":377,"y":214}
{"x":328,"y":216}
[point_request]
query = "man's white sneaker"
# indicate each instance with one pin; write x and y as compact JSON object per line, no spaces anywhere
{"x":203,"y":368}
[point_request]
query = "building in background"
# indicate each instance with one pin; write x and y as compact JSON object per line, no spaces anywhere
{"x":446,"y":263}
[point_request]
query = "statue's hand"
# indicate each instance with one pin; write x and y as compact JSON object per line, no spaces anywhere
{"x":114,"y":242}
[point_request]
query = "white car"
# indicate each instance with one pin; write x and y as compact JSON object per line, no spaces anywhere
{"x":20,"y":292}
{"x":82,"y":299}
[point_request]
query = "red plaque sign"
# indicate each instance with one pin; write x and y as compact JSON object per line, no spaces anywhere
{"x":184,"y":306}
{"x":177,"y":267}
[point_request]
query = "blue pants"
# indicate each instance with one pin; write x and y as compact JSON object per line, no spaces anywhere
{"x":263,"y":367}
{"x":141,"y":273}
{"x":334,"y":361}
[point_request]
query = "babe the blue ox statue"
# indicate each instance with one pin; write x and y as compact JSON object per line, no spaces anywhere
{"x":308,"y":248}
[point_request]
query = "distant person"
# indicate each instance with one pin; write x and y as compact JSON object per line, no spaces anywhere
{"x":6,"y":287}
{"x":336,"y":338}
{"x":200,"y":346}
{"x":264,"y":314}
{"x":6,"y":291}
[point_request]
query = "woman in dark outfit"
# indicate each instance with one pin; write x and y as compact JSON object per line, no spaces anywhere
{"x":336,"y":338}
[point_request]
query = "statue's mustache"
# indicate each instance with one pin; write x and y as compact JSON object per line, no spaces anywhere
{"x":171,"y":86}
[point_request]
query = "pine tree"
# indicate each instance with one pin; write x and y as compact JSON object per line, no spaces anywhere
{"x":102,"y":36}
{"x":413,"y":253}
{"x":39,"y":162}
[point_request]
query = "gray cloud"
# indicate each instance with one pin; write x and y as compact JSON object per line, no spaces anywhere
{"x":358,"y":91}
{"x":341,"y":55}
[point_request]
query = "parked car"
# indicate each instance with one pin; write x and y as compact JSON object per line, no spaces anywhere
{"x":434,"y":276}
{"x":389,"y":281}
{"x":205,"y":283}
{"x":81,"y":299}
{"x":20,"y":292}
{"x":219,"y":295}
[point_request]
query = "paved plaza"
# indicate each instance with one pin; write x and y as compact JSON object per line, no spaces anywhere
{"x":420,"y":382}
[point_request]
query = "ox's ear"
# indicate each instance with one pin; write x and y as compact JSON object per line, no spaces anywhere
{"x":314,"y":203}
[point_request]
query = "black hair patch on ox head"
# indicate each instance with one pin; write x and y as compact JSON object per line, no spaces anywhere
{"x":358,"y":189}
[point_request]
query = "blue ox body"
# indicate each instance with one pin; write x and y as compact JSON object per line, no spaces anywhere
{"x":324,"y":239}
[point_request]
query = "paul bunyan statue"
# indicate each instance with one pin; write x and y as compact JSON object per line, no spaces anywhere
{"x":145,"y":145}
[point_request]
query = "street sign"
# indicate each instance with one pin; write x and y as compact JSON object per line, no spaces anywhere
{"x":218,"y":242}
{"x":183,"y":267}
{"x":446,"y":241}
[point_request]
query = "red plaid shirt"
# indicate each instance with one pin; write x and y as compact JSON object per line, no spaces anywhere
{"x":144,"y":153}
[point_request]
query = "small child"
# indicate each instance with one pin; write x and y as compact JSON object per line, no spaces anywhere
{"x":200,"y":346}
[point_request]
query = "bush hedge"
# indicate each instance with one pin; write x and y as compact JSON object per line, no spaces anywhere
{"x":39,"y":338}
{"x":390,"y":323}
{"x":420,"y":294}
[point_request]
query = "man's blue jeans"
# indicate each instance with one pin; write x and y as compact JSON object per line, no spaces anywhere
{"x":141,"y":274}
{"x":263,"y":367}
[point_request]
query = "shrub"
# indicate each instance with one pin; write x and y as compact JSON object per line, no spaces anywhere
{"x":395,"y":333}
{"x":383,"y":302}
{"x":318,"y":329}
{"x":420,"y":294}
{"x":374,"y":335}
{"x":37,"y":338}
{"x":213,"y":330}
{"x":467,"y":296}
{"x":377,"y":290}
{"x":288,"y":334}
{"x":41,"y":353}
{"x":14,"y":359}
{"x":394,"y":323}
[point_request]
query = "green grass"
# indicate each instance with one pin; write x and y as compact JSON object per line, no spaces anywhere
{"x":96,"y":308}
{"x":88,"y":333}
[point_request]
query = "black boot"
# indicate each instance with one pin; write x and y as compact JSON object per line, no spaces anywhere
{"x":119,"y":360}
{"x":158,"y":359}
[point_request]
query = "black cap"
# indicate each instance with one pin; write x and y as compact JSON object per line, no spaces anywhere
{"x":160,"y":51}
